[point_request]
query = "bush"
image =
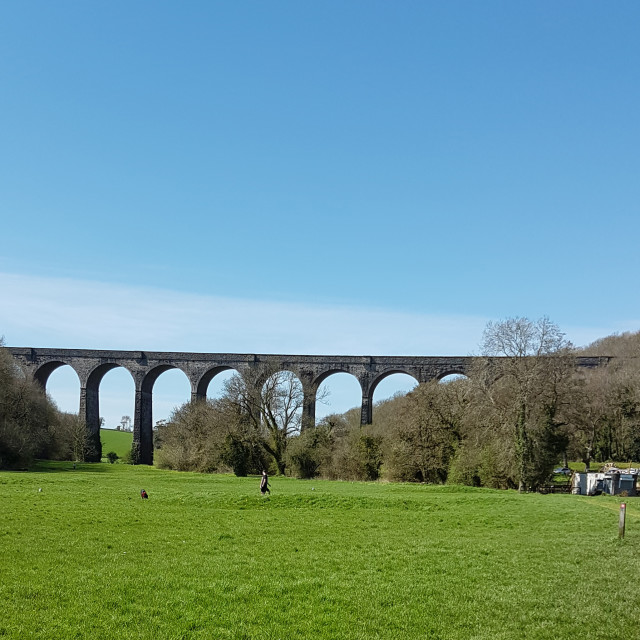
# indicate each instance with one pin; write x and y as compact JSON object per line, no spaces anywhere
{"x":242,"y":455}
{"x":189,"y":441}
{"x":370,"y":456}
{"x":358,"y":456}
{"x":310,"y":452}
{"x":463,"y":468}
{"x":112,"y":456}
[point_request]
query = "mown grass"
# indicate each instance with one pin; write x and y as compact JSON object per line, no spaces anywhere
{"x":207,"y":557}
{"x":118,"y":441}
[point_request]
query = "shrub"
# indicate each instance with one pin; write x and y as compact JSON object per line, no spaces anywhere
{"x":310,"y":452}
{"x":358,"y":456}
{"x":243,"y":456}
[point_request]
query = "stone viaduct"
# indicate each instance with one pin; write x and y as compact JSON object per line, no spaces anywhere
{"x":200,"y":368}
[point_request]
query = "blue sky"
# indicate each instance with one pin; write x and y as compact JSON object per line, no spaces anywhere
{"x":337,"y":177}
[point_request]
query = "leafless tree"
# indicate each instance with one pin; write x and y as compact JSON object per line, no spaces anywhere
{"x":272,"y":401}
{"x":528,"y":365}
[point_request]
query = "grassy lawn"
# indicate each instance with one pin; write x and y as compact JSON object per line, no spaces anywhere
{"x":118,"y":441}
{"x":207,"y":557}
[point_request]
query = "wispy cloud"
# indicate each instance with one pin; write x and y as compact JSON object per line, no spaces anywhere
{"x":58,"y":312}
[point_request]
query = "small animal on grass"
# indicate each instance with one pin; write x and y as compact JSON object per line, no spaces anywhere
{"x":143,"y":494}
{"x":264,"y":484}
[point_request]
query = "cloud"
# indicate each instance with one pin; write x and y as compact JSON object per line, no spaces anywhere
{"x":58,"y":312}
{"x":70,"y":313}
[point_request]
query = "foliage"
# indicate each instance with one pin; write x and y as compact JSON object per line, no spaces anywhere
{"x":424,"y":432}
{"x":357,"y":455}
{"x":519,"y":393}
{"x":192,"y":439}
{"x":72,"y":434}
{"x":605,"y":417}
{"x":209,"y":435}
{"x":112,"y":456}
{"x":30,"y":424}
{"x":311,"y":452}
{"x":243,"y":453}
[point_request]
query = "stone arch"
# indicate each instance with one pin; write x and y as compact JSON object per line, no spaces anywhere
{"x":324,"y":376}
{"x":142,"y":448}
{"x":68,"y":386}
{"x":458,"y":371}
{"x":202,"y":384}
{"x":42,"y":373}
{"x":150,"y":377}
{"x":378,"y":379}
{"x":90,"y":402}
{"x":367,"y":395}
{"x":97,"y":373}
{"x":319,"y":379}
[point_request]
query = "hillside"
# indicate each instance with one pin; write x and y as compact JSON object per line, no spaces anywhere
{"x":118,"y":441}
{"x":618,"y":345}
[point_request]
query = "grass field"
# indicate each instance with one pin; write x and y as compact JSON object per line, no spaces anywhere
{"x":118,"y":441}
{"x":207,"y":557}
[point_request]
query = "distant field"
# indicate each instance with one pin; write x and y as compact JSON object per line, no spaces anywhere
{"x":118,"y":441}
{"x":207,"y":557}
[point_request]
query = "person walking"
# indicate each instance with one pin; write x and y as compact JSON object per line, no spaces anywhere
{"x":264,"y":484}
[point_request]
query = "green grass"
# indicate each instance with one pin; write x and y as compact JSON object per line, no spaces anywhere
{"x":118,"y":441}
{"x":207,"y":557}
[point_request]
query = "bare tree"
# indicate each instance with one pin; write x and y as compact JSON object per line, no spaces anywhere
{"x":525,"y":374}
{"x":272,"y":401}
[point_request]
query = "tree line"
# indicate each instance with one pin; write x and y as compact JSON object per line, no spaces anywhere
{"x":524,"y":408}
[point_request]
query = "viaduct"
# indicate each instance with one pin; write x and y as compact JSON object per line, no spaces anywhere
{"x":200,"y":368}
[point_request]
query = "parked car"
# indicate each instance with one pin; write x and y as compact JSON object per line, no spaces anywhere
{"x":565,"y":471}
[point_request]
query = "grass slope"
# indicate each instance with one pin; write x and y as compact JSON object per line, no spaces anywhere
{"x":207,"y":557}
{"x":118,"y":441}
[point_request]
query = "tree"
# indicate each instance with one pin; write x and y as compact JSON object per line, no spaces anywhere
{"x":271,"y":401}
{"x":76,"y":436}
{"x":523,"y":380}
{"x":25,"y":415}
{"x":425,"y":431}
{"x":589,"y":414}
{"x":605,"y":424}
